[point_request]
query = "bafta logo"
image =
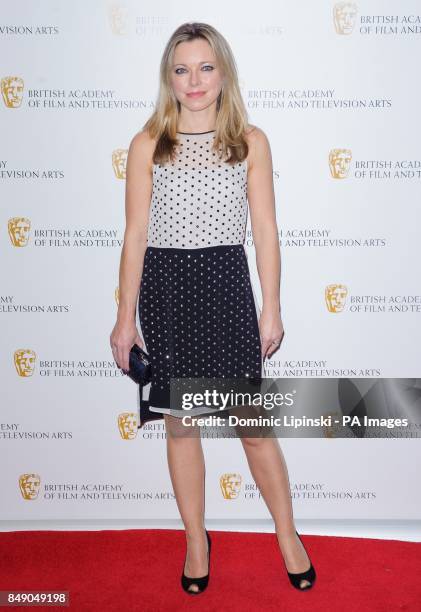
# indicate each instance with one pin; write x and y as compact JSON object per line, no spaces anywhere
{"x":18,"y":228}
{"x":119,"y":19}
{"x":12,"y":91}
{"x":25,"y":362}
{"x":119,"y":159}
{"x":339,"y":163}
{"x":29,"y":485}
{"x":230,"y":485}
{"x":335,"y":296}
{"x":117,"y":295}
{"x":127,"y":425}
{"x":344,"y":14}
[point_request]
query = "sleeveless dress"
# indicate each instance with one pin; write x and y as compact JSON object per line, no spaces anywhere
{"x":197,"y":308}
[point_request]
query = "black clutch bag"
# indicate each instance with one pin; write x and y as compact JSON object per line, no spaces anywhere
{"x":139,"y":366}
{"x":140,"y":372}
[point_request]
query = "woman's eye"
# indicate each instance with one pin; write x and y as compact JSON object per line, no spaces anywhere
{"x":206,"y":66}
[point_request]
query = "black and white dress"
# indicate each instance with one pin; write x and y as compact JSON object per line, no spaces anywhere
{"x":197,"y":308}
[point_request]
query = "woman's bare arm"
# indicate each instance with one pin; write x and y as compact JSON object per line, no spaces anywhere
{"x":261,"y":198}
{"x":137,"y":204}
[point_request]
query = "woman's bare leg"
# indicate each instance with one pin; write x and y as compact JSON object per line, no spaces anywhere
{"x":269,"y":470}
{"x":187,"y":471}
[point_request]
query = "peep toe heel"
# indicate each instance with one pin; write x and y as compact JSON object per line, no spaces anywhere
{"x":202,"y":581}
{"x":308,"y":575}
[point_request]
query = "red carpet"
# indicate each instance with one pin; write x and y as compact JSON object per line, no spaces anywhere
{"x":140,"y":570}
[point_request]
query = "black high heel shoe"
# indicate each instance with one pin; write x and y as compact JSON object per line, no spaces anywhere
{"x":308,"y":575}
{"x":201,"y":582}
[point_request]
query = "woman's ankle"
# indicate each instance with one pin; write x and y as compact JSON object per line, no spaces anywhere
{"x":193,"y":533}
{"x":285,"y":531}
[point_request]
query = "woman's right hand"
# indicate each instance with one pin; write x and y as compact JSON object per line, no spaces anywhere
{"x":122,"y":338}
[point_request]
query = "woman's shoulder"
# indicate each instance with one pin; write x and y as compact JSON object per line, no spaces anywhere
{"x":141,"y":141}
{"x":142,"y":147}
{"x":258,"y":143}
{"x":255,"y":135}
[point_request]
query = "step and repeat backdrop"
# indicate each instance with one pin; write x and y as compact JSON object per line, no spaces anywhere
{"x":335,"y":86}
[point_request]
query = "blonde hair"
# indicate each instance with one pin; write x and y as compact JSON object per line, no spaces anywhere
{"x":231,"y":120}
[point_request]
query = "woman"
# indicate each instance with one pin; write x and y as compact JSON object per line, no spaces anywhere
{"x":183,"y":248}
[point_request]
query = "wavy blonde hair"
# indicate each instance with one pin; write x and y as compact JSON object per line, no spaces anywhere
{"x":231,"y":120}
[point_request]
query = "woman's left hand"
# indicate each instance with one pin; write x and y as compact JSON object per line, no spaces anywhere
{"x":271,"y":331}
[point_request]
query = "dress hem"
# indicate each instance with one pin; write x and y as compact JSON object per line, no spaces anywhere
{"x":182,"y":413}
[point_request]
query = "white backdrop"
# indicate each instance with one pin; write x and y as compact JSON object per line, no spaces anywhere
{"x":335,"y":86}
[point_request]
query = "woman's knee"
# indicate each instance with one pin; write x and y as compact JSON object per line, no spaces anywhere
{"x":252,"y":442}
{"x":176,"y":430}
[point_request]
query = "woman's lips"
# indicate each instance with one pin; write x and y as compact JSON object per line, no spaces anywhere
{"x":196,"y":94}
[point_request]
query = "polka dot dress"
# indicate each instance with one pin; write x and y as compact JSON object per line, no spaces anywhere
{"x":197,"y":309}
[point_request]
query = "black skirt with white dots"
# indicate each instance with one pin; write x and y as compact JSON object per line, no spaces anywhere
{"x":198,"y":317}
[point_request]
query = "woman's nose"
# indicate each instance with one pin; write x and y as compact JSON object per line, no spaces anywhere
{"x":194,"y":78}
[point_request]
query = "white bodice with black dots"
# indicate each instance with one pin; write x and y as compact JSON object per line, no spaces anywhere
{"x":198,"y":200}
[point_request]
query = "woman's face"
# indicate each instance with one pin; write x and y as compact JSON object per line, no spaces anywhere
{"x":195,"y":75}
